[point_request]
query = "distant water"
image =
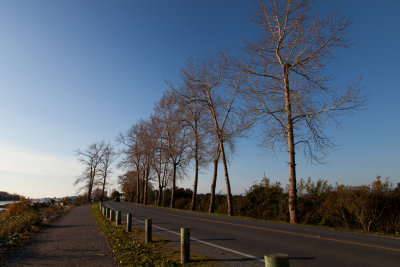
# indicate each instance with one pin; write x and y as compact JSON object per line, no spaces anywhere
{"x":5,"y":203}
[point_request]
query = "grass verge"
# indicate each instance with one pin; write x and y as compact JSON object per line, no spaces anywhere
{"x":130,"y":250}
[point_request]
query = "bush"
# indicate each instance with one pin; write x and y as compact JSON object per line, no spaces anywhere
{"x":265,"y":200}
{"x":19,"y":217}
{"x":311,"y":195}
{"x":369,"y":208}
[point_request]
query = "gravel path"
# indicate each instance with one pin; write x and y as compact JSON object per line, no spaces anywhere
{"x":72,"y":240}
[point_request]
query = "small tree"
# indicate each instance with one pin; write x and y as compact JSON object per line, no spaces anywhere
{"x":127,"y":182}
{"x":114,"y":194}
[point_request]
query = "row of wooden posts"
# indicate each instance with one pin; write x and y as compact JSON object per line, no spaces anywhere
{"x":274,"y":260}
{"x":116,"y":215}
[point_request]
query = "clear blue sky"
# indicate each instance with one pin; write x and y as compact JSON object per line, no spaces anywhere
{"x":76,"y":72}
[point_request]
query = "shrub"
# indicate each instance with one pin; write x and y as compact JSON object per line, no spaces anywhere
{"x":311,"y":195}
{"x":265,"y":200}
{"x":20,"y":216}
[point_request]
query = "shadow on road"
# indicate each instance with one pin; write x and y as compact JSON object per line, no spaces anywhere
{"x":301,"y":258}
{"x":214,"y":239}
{"x":66,"y":226}
{"x":228,"y":260}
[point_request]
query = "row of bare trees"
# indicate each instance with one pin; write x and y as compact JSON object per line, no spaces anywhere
{"x":278,"y":81}
{"x":197,"y":120}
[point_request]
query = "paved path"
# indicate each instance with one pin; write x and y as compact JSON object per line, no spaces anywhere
{"x":241,"y":242}
{"x":71,"y":240}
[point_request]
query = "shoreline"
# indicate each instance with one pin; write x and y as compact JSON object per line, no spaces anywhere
{"x":4,"y":206}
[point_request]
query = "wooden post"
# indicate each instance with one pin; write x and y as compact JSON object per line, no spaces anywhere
{"x":118,"y":218}
{"x":100,"y":206}
{"x":112,"y":216}
{"x":147,"y":230}
{"x":128,"y":222}
{"x":185,"y":245}
{"x":277,"y":260}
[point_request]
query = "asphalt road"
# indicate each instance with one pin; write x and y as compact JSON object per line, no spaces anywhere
{"x":238,"y":241}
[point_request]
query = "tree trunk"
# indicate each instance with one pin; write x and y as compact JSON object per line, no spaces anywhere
{"x":137,"y":185}
{"x":159,"y":181}
{"x":159,"y":189}
{"x":196,"y":173}
{"x":159,"y":197}
{"x":291,"y":149}
{"x":211,"y":208}
{"x":146,"y":192}
{"x":228,"y":185}
{"x":173,"y":186}
{"x":91,"y":181}
{"x":146,"y":184}
{"x":143,"y":183}
{"x":90,"y":191}
{"x":132,"y":193}
{"x":103,"y":188}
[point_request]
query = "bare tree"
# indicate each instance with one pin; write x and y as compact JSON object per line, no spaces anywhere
{"x":213,"y":85}
{"x":133,"y":153}
{"x":176,"y":136}
{"x":194,"y":117}
{"x":128,"y":182}
{"x":105,"y":166}
{"x":160,"y":163}
{"x":146,"y":141}
{"x":289,"y":89}
{"x":91,"y":158}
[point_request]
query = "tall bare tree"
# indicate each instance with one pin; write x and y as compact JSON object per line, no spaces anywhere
{"x":291,"y":92}
{"x":160,"y":163}
{"x":194,"y":117}
{"x":133,"y":153}
{"x":105,"y":166}
{"x":91,"y":158}
{"x":176,"y":136}
{"x":212,"y":84}
{"x":147,"y":143}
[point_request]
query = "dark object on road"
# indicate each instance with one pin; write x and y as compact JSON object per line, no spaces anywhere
{"x":117,"y":199}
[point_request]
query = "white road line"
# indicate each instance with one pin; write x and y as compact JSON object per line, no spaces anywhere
{"x":210,"y":244}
